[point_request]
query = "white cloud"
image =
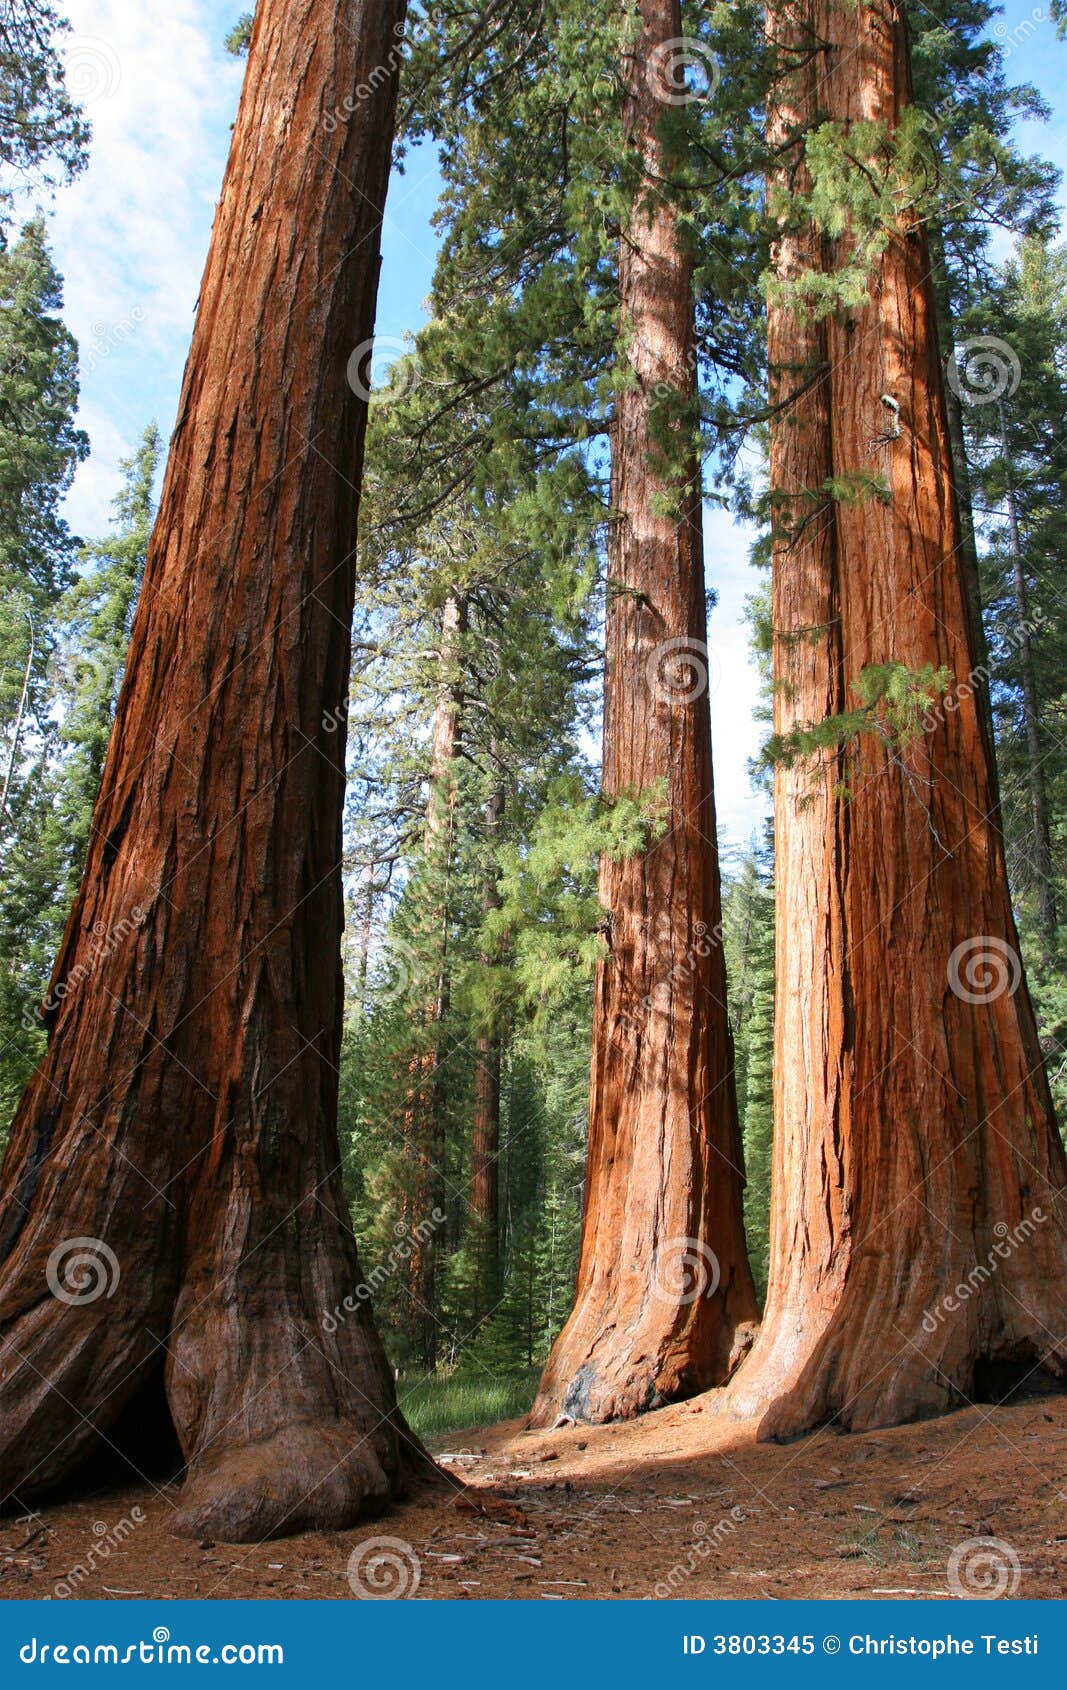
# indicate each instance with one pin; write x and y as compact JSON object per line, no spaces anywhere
{"x":131,"y":234}
{"x":88,"y":505}
{"x":160,"y":96}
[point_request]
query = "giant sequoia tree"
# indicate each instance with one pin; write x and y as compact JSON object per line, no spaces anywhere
{"x":664,"y":1298}
{"x":915,"y":1144}
{"x":173,"y":1227}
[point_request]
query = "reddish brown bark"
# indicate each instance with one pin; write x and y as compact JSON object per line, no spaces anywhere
{"x":485,"y":1111}
{"x":425,"y":1112}
{"x":184,"y":1117}
{"x":915,"y":1146}
{"x":664,"y":1301}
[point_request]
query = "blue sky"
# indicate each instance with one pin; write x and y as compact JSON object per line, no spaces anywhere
{"x":131,"y":235}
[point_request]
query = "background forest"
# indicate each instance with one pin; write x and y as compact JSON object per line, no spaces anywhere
{"x":473,"y":820}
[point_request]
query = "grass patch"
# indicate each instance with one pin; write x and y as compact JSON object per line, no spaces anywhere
{"x":443,"y":1402}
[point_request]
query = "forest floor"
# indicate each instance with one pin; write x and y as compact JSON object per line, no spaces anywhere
{"x":681,"y":1502}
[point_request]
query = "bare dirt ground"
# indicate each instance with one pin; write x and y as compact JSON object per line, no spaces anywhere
{"x":679,"y":1503}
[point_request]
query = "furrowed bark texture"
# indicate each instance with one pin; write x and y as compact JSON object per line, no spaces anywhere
{"x":426,"y":1103}
{"x":485,"y":1110}
{"x":184,"y":1118}
{"x":664,"y":1302}
{"x":918,"y":1247}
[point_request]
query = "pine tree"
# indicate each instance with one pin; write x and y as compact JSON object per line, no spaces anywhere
{"x":97,"y":614}
{"x":748,"y":938}
{"x":1014,"y":430}
{"x":40,"y":449}
{"x":43,"y":133}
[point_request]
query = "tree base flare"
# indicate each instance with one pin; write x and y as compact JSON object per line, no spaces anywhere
{"x":621,"y":1386}
{"x":302,"y":1478}
{"x":861,"y":1374}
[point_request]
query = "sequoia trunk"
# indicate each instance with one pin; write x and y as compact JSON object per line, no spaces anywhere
{"x":664,"y":1300}
{"x":918,"y":1250}
{"x":485,"y":1110}
{"x":426,"y":1125}
{"x":173,"y":1176}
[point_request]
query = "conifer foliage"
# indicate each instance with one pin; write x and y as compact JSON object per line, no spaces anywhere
{"x":361,"y":870}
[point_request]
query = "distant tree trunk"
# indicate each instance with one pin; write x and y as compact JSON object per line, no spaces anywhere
{"x":962,"y":475}
{"x":1039,"y":813}
{"x":485,"y":1112}
{"x":664,"y":1302}
{"x":426,"y":1112}
{"x":366,"y":936}
{"x":915,"y":1144}
{"x":181,"y":1132}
